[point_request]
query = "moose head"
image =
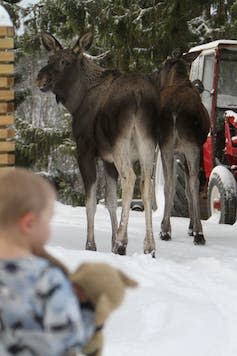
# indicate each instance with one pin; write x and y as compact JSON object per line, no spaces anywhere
{"x":64,"y":65}
{"x":174,"y":67}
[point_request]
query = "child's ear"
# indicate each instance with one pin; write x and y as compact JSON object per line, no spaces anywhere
{"x":102,"y":310}
{"x":26,"y":222}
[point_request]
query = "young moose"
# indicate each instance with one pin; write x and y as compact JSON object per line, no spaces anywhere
{"x":114,"y":118}
{"x":183,"y":128}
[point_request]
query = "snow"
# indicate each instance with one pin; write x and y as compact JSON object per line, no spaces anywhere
{"x":4,"y":17}
{"x":213,"y":44}
{"x":25,"y":3}
{"x":230,"y":113}
{"x":200,"y":27}
{"x":186,"y":303}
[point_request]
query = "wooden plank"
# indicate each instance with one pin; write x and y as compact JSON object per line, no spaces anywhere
{"x":6,"y":158}
{"x":6,"y":69}
{"x":6,"y":120}
{"x":6,"y":56}
{"x":7,"y":146}
{"x":6,"y":107}
{"x":7,"y":133}
{"x":6,"y":43}
{"x":6,"y":95}
{"x":6,"y":82}
{"x":6,"y":31}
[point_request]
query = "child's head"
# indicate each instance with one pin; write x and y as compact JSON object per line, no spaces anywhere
{"x":26,"y":206}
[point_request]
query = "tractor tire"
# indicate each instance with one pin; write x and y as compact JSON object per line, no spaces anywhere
{"x":222,"y":196}
{"x":180,"y":205}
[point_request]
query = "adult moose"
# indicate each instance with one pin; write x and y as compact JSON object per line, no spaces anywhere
{"x":114,"y":118}
{"x":183,"y":128}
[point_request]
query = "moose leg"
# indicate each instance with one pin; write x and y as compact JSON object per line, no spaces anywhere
{"x":128,"y":177}
{"x":167,"y":157}
{"x":190,"y":202}
{"x":111,"y":176}
{"x":193,"y":157}
{"x":146,"y":153}
{"x":87,"y":167}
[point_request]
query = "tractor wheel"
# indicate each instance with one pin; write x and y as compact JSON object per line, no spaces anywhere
{"x":222,"y":196}
{"x":180,"y":205}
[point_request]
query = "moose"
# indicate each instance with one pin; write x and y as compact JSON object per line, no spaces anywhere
{"x":183,"y":128}
{"x":114,"y":117}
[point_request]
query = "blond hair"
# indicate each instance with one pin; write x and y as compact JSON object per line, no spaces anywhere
{"x":22,"y":191}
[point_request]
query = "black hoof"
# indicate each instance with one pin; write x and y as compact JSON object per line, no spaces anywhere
{"x":165,"y":236}
{"x":91,"y":246}
{"x":190,"y":232}
{"x":152,"y":253}
{"x":119,"y":249}
{"x":199,"y":239}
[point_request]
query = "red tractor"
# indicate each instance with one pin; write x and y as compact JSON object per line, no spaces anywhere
{"x":214,"y":72}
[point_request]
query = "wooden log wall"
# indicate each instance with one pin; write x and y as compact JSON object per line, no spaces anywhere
{"x":7,"y":133}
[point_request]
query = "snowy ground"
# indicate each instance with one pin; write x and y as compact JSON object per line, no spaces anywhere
{"x":186,"y":303}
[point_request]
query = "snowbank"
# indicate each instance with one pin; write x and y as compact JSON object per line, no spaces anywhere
{"x":186,"y":303}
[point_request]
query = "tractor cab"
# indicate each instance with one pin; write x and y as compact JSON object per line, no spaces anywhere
{"x":216,"y":68}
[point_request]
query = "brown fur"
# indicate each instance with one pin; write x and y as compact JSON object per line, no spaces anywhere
{"x":114,"y":118}
{"x":183,"y":128}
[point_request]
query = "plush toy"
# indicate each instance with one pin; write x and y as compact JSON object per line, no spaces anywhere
{"x":101,"y":287}
{"x":104,"y":286}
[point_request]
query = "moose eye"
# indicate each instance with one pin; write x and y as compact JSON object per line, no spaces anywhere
{"x":64,"y":63}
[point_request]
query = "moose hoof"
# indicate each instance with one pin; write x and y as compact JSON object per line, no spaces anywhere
{"x":190,"y":232}
{"x":199,"y":239}
{"x":91,"y":246}
{"x":119,"y":249}
{"x":165,"y":236}
{"x":150,"y":252}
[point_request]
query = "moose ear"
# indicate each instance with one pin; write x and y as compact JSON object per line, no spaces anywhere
{"x":50,"y":42}
{"x":86,"y":41}
{"x":83,"y":43}
{"x":189,"y":57}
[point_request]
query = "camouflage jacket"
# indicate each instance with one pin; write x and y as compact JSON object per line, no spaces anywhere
{"x":39,"y":314}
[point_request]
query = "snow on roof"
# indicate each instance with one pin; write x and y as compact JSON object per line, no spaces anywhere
{"x":4,"y":17}
{"x":213,"y":44}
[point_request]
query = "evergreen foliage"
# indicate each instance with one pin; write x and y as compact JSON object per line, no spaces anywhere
{"x":137,"y":35}
{"x":34,"y":140}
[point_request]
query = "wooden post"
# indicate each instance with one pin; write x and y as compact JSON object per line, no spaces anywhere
{"x":7,"y":133}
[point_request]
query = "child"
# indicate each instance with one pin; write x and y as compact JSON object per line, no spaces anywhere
{"x":39,"y":314}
